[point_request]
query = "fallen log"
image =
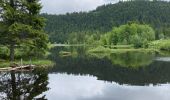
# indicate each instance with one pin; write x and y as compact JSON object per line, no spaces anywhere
{"x":27,"y":67}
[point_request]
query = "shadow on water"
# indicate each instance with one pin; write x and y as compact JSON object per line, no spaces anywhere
{"x":23,"y":85}
{"x":133,"y":68}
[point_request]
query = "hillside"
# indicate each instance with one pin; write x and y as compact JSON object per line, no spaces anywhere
{"x":101,"y":20}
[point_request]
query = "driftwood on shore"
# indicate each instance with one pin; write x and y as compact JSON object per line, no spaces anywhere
{"x":24,"y":67}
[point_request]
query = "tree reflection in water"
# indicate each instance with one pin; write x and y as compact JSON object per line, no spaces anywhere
{"x":153,"y":72}
{"x":23,"y":85}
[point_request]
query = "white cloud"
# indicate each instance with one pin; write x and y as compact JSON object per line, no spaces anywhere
{"x":64,"y":6}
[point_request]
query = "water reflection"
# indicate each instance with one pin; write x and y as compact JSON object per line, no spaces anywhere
{"x":83,"y":87}
{"x":23,"y":85}
{"x":143,"y":70}
{"x":83,"y":76}
{"x":131,"y":59}
{"x":116,"y":76}
{"x":167,"y":59}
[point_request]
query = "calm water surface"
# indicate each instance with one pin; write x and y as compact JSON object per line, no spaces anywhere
{"x":81,"y":76}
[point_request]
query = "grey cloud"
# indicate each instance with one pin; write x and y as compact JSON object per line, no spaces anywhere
{"x":64,"y":6}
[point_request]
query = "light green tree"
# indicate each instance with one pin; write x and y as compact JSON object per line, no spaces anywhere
{"x":137,"y":34}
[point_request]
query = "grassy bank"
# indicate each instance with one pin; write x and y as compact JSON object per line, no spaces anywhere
{"x":102,"y":49}
{"x":38,"y":57}
{"x":158,"y":45}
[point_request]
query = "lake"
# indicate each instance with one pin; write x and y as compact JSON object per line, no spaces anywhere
{"x":78,"y":75}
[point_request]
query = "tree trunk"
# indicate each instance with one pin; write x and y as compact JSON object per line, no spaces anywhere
{"x":12,"y":52}
{"x":14,"y":89}
{"x":12,"y":44}
{"x":12,"y":3}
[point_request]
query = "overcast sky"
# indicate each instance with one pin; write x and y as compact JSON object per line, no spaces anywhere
{"x":64,"y":6}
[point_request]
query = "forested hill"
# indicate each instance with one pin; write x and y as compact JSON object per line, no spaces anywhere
{"x":101,"y":20}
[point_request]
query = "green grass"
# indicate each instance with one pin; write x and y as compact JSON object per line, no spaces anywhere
{"x":39,"y":63}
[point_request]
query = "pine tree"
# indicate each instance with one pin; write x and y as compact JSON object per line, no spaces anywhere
{"x":21,"y":25}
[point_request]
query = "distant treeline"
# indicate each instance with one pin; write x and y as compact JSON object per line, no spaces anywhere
{"x":62,"y":28}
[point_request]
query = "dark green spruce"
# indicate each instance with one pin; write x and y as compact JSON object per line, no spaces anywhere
{"x":21,"y":25}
